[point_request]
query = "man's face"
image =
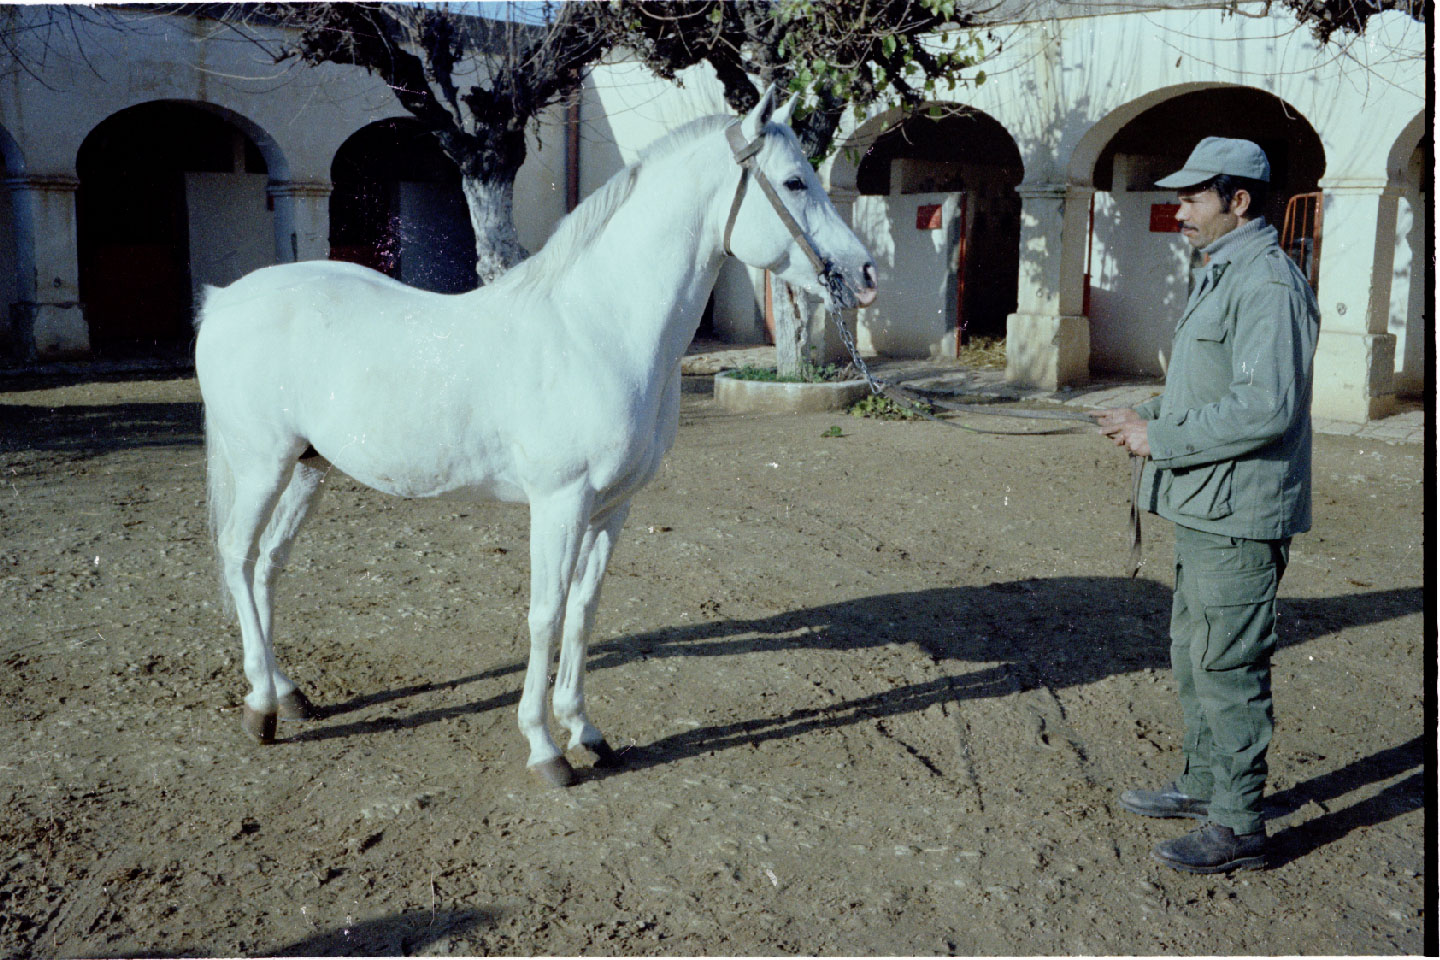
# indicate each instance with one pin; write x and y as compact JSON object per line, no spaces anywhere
{"x":1202,"y":219}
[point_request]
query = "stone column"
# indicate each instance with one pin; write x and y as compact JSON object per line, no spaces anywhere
{"x":302,"y":219}
{"x":47,"y":317}
{"x":1047,"y":339}
{"x":1355,"y":355}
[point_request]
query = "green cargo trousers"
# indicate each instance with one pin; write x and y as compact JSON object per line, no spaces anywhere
{"x":1222,"y":633}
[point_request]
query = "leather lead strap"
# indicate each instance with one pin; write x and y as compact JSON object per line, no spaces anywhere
{"x":1137,"y":473}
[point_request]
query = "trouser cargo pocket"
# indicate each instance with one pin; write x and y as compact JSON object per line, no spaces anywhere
{"x":1239,"y":610}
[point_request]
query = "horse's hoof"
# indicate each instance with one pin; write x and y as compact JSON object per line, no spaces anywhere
{"x":260,"y":726}
{"x":605,"y":757}
{"x":296,"y":706}
{"x":556,"y":772}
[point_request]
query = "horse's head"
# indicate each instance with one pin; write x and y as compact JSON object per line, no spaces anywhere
{"x":784,"y":222}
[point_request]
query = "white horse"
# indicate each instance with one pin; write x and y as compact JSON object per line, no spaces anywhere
{"x":558,"y":385}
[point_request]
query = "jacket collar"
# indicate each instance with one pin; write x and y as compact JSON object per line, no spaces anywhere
{"x":1240,"y":241}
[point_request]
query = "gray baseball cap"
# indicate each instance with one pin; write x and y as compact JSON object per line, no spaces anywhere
{"x":1216,"y":155}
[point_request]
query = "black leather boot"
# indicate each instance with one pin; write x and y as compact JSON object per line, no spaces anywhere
{"x":1168,"y":801}
{"x":1214,"y":849}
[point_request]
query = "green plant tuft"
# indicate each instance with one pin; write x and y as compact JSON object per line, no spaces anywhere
{"x":809,"y":373}
{"x":879,"y":407}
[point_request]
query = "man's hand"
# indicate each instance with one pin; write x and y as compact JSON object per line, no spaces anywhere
{"x":1126,"y":427}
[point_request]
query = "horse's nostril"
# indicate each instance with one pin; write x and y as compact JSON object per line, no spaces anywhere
{"x":869,"y":274}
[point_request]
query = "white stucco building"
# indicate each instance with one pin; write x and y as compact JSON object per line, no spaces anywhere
{"x":172,"y":154}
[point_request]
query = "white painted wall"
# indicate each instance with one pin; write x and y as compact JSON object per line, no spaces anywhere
{"x":1139,"y":282}
{"x":231,"y":231}
{"x":914,"y":315}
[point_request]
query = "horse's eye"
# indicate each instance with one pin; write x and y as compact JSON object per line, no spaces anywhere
{"x":796,"y":184}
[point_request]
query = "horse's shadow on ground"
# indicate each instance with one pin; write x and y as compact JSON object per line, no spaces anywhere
{"x":1058,"y":633}
{"x":397,"y":935}
{"x":990,"y":641}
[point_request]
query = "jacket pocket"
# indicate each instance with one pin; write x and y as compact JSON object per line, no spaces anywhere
{"x":1207,"y":324}
{"x":1203,"y":492}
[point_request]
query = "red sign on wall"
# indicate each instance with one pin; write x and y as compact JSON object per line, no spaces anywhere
{"x":928,"y":216}
{"x":1162,"y":218}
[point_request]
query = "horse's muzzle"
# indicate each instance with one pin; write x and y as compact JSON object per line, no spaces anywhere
{"x":845,"y":294}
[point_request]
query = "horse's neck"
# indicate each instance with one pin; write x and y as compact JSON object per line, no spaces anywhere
{"x":648,"y":273}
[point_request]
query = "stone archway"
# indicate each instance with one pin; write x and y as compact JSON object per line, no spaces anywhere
{"x":172,"y":196}
{"x":1137,"y":265}
{"x":936,"y":204}
{"x":397,"y":207}
{"x":1413,"y":272}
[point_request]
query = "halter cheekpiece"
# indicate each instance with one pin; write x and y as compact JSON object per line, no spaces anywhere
{"x":745,"y":154}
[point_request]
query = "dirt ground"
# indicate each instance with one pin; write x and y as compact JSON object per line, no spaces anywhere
{"x":878,"y":694}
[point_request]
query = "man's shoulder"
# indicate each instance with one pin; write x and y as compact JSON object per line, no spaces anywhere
{"x":1279,"y":268}
{"x":1267,"y":263}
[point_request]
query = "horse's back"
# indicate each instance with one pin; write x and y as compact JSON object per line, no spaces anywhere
{"x":290,"y":289}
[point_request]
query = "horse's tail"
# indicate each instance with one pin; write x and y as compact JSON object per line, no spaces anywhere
{"x":220,"y":494}
{"x":219,"y":475}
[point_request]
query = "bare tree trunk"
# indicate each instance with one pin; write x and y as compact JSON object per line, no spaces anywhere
{"x":790,"y":306}
{"x":492,"y":216}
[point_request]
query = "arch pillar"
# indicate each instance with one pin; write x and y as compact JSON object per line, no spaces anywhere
{"x":1047,"y":339}
{"x":1355,"y":353}
{"x":48,"y":319}
{"x":302,"y":219}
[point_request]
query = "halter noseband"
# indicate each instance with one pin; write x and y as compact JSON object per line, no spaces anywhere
{"x":745,"y":154}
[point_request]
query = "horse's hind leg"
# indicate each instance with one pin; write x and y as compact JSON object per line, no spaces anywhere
{"x":288,"y":516}
{"x":257,"y":489}
{"x":580,"y":607}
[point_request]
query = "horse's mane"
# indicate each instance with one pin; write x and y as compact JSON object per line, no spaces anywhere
{"x":584,"y":223}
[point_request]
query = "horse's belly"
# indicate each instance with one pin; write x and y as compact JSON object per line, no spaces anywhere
{"x":420,"y":477}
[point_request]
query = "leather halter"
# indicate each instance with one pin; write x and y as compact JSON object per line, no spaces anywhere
{"x":745,"y":154}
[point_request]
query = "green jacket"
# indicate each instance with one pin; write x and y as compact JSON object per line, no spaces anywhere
{"x":1230,"y":436}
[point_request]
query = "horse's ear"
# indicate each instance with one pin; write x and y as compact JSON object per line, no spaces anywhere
{"x":755,"y":121}
{"x":786,"y":112}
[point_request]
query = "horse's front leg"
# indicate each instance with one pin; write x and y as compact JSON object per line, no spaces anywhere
{"x":595,"y":552}
{"x":557,"y":529}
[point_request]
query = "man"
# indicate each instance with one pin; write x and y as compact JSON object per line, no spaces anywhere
{"x":1228,"y":444}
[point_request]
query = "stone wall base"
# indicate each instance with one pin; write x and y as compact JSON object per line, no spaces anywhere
{"x":1047,"y":351}
{"x":1354,"y":376}
{"x":51,"y":331}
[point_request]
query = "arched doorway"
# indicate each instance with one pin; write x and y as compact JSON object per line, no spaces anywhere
{"x":172,"y":196}
{"x":938,"y":209}
{"x":1138,"y":264}
{"x":397,"y":207}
